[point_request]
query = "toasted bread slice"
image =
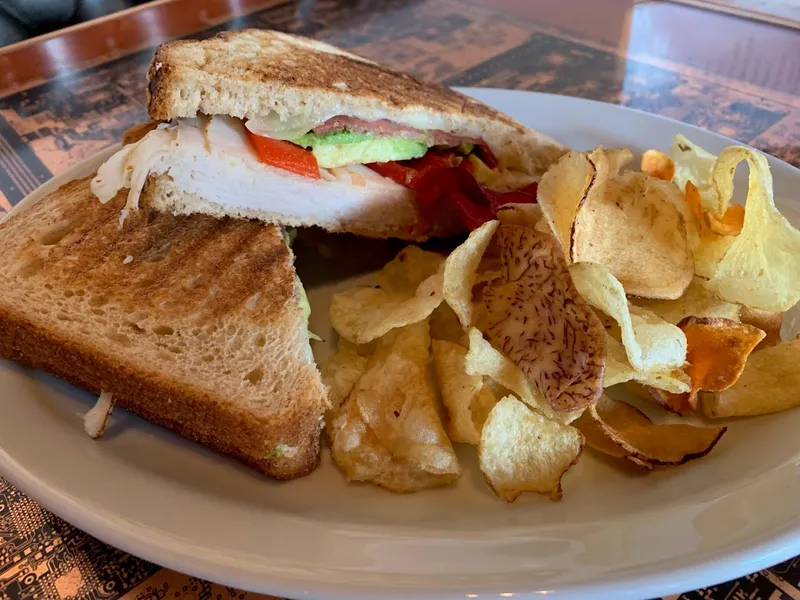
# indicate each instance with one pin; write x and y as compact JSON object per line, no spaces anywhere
{"x":251,"y":72}
{"x":193,"y":323}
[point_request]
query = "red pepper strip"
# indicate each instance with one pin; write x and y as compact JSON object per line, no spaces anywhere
{"x":410,"y":172}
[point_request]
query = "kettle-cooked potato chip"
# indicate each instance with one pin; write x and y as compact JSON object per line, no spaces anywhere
{"x":561,"y":192}
{"x":769,"y":383}
{"x":651,"y":343}
{"x":619,"y":370}
{"x":521,"y":450}
{"x":409,"y":289}
{"x":445,"y":325}
{"x":460,"y":270}
{"x":759,"y":270}
{"x":633,"y":226}
{"x":341,"y":372}
{"x":541,"y":322}
{"x":696,"y":301}
{"x":657,"y":164}
{"x":467,"y":399}
{"x":655,"y":444}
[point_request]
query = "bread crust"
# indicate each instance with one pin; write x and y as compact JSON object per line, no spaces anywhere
{"x":73,"y":304}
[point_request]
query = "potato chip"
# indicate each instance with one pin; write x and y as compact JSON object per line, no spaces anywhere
{"x":467,"y":400}
{"x":409,"y":289}
{"x":651,"y":344}
{"x":708,"y":248}
{"x":730,"y":223}
{"x":524,"y":215}
{"x":639,"y":437}
{"x":759,"y":270}
{"x":460,"y":268}
{"x":445,"y":326}
{"x":696,"y":301}
{"x":341,"y":372}
{"x":562,"y":190}
{"x":657,"y":164}
{"x":632,"y":225}
{"x":617,"y":158}
{"x":398,"y":402}
{"x":619,"y":370}
{"x":693,"y":164}
{"x":769,"y":383}
{"x":541,"y":322}
{"x":767,"y":321}
{"x":485,"y":360}
{"x":521,"y":450}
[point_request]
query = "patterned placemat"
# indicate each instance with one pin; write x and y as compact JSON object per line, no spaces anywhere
{"x":46,"y":129}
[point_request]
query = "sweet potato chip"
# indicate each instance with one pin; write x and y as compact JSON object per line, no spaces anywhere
{"x":521,"y":450}
{"x":541,"y":322}
{"x":631,"y":224}
{"x":460,"y":271}
{"x":619,"y":370}
{"x":651,"y":344}
{"x":398,"y":402}
{"x":485,"y":360}
{"x":467,"y":399}
{"x":657,"y":164}
{"x":759,"y":270}
{"x":696,"y":301}
{"x":409,"y":289}
{"x":769,"y":383}
{"x":639,"y":437}
{"x":767,"y":321}
{"x":561,"y":192}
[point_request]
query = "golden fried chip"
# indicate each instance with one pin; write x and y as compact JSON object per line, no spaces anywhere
{"x":485,"y":360}
{"x":467,"y":400}
{"x":445,"y":326}
{"x":708,"y":248}
{"x":524,"y":215}
{"x":541,"y":322}
{"x":634,"y":228}
{"x":561,"y":192}
{"x":619,"y":370}
{"x":767,"y":321}
{"x":409,"y":289}
{"x":693,"y":164}
{"x":730,"y":223}
{"x":341,"y":372}
{"x":759,"y":270}
{"x":696,"y":301}
{"x":521,"y":450}
{"x":398,"y":402}
{"x":651,"y":344}
{"x":637,"y":435}
{"x":597,"y":439}
{"x":769,"y":383}
{"x":460,"y":269}
{"x":657,"y":164}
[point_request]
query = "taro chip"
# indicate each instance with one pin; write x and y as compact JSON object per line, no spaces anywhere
{"x":524,"y":215}
{"x":657,"y":164}
{"x":717,"y":352}
{"x":654,"y":444}
{"x":537,"y":318}
{"x":409,"y":289}
{"x":696,"y":301}
{"x":521,"y":450}
{"x":460,"y":271}
{"x":485,"y":360}
{"x":397,"y":401}
{"x":561,"y":192}
{"x":467,"y":399}
{"x":759,"y":269}
{"x":769,"y":322}
{"x":769,"y":384}
{"x":651,"y":344}
{"x":631,"y":224}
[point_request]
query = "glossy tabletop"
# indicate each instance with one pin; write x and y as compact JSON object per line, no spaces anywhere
{"x":68,"y":95}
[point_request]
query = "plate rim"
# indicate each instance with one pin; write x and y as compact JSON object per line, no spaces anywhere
{"x":158,"y":549}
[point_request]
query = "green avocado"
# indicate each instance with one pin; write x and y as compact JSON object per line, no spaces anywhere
{"x":341,"y":148}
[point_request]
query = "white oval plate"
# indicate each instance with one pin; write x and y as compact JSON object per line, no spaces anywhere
{"x":615,"y":534}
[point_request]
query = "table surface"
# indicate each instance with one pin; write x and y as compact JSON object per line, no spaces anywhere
{"x":66,"y":96}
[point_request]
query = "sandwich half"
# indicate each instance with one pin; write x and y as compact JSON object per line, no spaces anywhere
{"x":195,"y":323}
{"x":271,"y":126}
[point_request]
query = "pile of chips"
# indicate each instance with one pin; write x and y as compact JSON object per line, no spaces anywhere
{"x":651,"y":278}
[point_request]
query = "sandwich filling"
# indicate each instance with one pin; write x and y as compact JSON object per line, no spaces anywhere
{"x":279,"y":167}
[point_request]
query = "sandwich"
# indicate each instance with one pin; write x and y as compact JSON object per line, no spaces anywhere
{"x":265,"y":125}
{"x":195,"y":323}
